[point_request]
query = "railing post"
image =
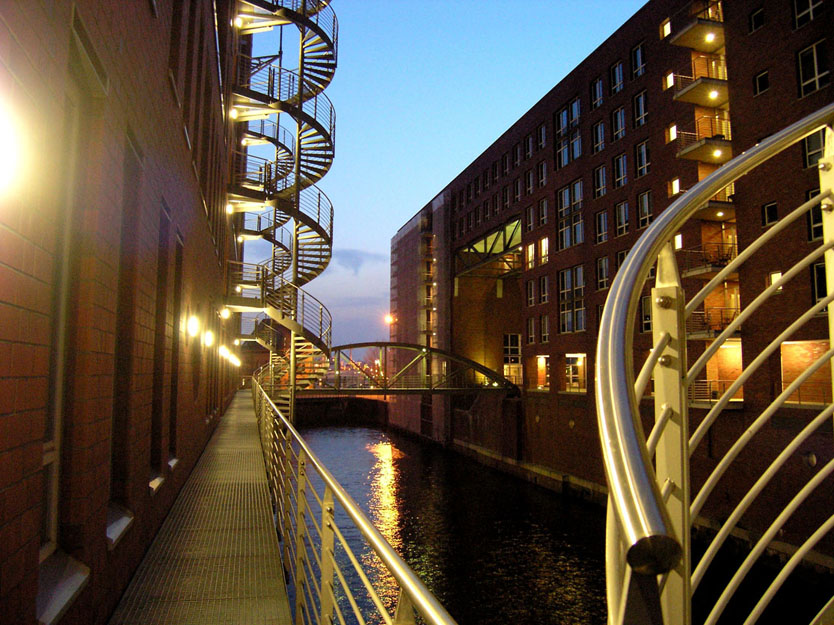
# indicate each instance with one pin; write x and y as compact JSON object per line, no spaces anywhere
{"x":672,"y":458}
{"x":404,"y":615}
{"x":300,"y":532}
{"x":327,"y":555}
{"x":826,"y":170}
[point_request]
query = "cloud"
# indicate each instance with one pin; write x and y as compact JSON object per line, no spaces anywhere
{"x":354,"y":259}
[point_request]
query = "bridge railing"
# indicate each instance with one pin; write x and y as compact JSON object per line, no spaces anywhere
{"x":650,"y":575}
{"x":315,"y":516}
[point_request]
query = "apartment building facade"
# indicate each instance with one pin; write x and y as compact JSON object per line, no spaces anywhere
{"x":113,"y":242}
{"x":540,"y":221}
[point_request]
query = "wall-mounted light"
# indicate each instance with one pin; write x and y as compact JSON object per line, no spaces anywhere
{"x":238,"y":21}
{"x":193,"y":326}
{"x":208,"y":338}
{"x":229,"y":209}
{"x":225,"y":313}
{"x":224,"y":351}
{"x":389,"y":319}
{"x":11,"y":155}
{"x":233,"y":113}
{"x":237,"y":341}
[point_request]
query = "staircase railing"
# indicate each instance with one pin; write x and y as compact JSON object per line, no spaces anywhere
{"x":650,"y":512}
{"x":315,"y":516}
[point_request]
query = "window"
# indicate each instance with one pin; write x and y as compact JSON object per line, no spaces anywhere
{"x":770,"y":214}
{"x":665,"y":28}
{"x":517,"y":190}
{"x":756,"y":20}
{"x":531,"y":330}
{"x":575,"y":144}
{"x":485,"y":209}
{"x":618,"y":124}
{"x":674,"y":186}
{"x":812,"y":148}
{"x":528,"y":182}
{"x":544,"y":249}
{"x":569,"y":213}
{"x":541,"y":136}
{"x":541,"y":173}
{"x":469,"y":220}
{"x":671,"y":133}
{"x":596,"y":93}
{"x":620,"y":171}
{"x":598,"y":137}
{"x":818,"y":283}
{"x":477,"y":217}
{"x":641,"y":158}
{"x":620,"y":259}
{"x":531,"y":293}
{"x":616,"y":78}
{"x":505,"y":163}
{"x":485,"y":177}
{"x":512,"y":357}
{"x":646,"y":313}
{"x":575,"y":373}
{"x":505,"y":197}
{"x":494,"y":203}
{"x":544,"y":328}
{"x":528,"y":143}
{"x":544,"y":289}
{"x":669,"y":81}
{"x":813,"y":68}
{"x":644,"y":209}
{"x":814,"y":218}
{"x":602,"y":273}
{"x":805,"y":10}
{"x":621,"y":217}
{"x":678,"y":241}
{"x":529,"y":218}
{"x":772,"y":278}
{"x":640,"y":109}
{"x":761,"y":82}
{"x":530,"y":260}
{"x":477,"y":185}
{"x":542,"y":211}
{"x":517,"y":155}
{"x":599,"y":181}
{"x":571,"y":300}
{"x":638,"y":61}
{"x":574,"y":112}
{"x":601,"y":223}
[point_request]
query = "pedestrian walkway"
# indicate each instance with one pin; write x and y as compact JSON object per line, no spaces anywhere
{"x":216,"y":558}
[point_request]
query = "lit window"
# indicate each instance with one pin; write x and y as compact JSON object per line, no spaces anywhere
{"x":544,"y":247}
{"x":575,"y":367}
{"x":531,"y":256}
{"x":669,"y":81}
{"x":678,"y":241}
{"x":674,"y":186}
{"x":773,"y":277}
{"x":671,"y":133}
{"x":665,"y":28}
{"x":813,"y":68}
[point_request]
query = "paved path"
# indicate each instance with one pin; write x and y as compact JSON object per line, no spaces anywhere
{"x":216,"y":558}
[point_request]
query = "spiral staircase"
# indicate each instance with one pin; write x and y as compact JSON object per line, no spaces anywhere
{"x":274,"y":189}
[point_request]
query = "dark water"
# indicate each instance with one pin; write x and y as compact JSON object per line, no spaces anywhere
{"x":492,"y":548}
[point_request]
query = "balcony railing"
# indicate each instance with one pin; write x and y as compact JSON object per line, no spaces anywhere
{"x":711,"y":321}
{"x":703,"y":66}
{"x":808,"y":394}
{"x":707,"y":255}
{"x":704,"y":128}
{"x":652,"y":572}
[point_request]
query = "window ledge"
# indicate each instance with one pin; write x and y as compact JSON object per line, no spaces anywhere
{"x":155,"y":483}
{"x":60,"y":580}
{"x":119,"y":520}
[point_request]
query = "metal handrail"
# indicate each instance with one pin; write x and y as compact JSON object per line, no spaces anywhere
{"x":702,"y":66}
{"x":296,"y":304}
{"x":288,"y":456}
{"x":705,"y":128}
{"x":636,"y":499}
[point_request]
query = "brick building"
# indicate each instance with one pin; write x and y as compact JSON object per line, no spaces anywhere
{"x":113,"y":244}
{"x":536,"y":226}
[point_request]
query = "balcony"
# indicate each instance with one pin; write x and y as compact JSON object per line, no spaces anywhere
{"x":706,"y":393}
{"x":705,"y":30}
{"x":706,"y":260}
{"x":719,"y":207}
{"x":704,"y":82}
{"x":709,"y":323}
{"x":707,"y":140}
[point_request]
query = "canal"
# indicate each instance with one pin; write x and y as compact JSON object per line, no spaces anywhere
{"x":492,"y":548}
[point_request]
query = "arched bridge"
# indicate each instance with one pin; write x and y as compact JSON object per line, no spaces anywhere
{"x":405,"y":368}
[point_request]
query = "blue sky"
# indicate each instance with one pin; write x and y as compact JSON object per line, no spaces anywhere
{"x":421,"y":89}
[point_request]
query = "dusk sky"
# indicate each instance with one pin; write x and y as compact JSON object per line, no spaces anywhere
{"x":421,"y":89}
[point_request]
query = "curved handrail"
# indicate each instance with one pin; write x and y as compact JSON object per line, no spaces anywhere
{"x":295,"y":303}
{"x":637,"y":501}
{"x":421,"y":598}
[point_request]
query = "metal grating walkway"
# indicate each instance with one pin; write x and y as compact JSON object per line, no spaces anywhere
{"x":216,"y":558}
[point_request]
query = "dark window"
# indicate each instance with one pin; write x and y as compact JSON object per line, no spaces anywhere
{"x":756,"y":20}
{"x":812,"y":68}
{"x":770,"y":215}
{"x":638,"y":60}
{"x":805,"y":10}
{"x":761,"y":82}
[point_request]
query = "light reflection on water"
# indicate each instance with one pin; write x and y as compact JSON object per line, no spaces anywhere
{"x":492,"y":548}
